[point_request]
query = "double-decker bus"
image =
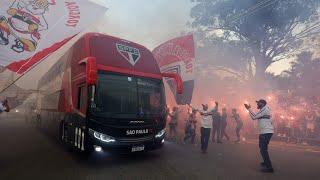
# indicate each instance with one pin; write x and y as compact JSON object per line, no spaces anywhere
{"x":105,"y":94}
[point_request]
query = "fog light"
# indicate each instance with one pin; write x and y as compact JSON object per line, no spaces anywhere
{"x":160,"y":133}
{"x":162,"y":141}
{"x":97,"y":148}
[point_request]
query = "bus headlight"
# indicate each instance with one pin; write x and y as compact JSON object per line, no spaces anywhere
{"x":160,"y":133}
{"x":102,"y":137}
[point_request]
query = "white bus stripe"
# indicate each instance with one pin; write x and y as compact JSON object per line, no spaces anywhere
{"x":76,"y":137}
{"x":82,"y":143}
{"x":79,"y":138}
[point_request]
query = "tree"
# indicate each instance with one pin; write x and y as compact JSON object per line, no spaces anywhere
{"x":301,"y":79}
{"x":271,"y":29}
{"x":304,"y":73}
{"x":217,"y":55}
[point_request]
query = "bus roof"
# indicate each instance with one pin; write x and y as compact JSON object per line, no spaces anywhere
{"x":120,"y":53}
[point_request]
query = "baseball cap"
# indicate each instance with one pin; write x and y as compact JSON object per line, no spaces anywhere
{"x":262,"y":101}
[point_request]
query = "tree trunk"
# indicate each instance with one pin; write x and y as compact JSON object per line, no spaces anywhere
{"x":261,"y":66}
{"x":260,"y":84}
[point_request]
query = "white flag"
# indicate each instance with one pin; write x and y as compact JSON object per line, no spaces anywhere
{"x":30,"y":30}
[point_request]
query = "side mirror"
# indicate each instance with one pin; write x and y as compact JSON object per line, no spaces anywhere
{"x":91,"y":70}
{"x":178,"y":80}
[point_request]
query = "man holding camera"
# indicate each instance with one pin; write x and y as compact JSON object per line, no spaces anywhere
{"x":266,"y":131}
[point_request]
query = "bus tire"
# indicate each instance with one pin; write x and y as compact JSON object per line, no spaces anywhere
{"x":64,"y":137}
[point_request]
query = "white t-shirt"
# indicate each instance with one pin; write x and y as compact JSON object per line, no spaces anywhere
{"x":206,"y":120}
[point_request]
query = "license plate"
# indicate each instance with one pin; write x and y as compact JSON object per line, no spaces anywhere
{"x":137,"y":148}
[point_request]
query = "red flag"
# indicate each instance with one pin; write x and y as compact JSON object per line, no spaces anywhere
{"x":178,"y":56}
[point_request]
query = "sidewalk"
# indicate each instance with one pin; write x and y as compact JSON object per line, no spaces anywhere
{"x":291,"y":146}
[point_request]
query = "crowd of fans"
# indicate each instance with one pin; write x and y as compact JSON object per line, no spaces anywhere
{"x":184,"y":124}
{"x":296,"y":120}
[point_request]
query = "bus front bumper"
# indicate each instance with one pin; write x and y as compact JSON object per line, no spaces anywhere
{"x":127,"y":145}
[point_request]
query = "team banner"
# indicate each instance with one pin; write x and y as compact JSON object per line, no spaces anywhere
{"x":178,"y":56}
{"x":32,"y":29}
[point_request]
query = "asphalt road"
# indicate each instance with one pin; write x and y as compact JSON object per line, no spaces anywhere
{"x":26,"y":153}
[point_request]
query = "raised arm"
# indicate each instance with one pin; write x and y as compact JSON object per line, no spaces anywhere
{"x":215,"y":107}
{"x":260,"y":115}
{"x":193,"y":108}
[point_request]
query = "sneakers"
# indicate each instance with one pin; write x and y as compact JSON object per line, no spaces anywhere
{"x":204,"y":151}
{"x":262,"y":164}
{"x":267,"y":170}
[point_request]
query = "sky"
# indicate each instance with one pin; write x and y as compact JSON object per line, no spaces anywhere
{"x":147,"y":22}
{"x":152,"y":22}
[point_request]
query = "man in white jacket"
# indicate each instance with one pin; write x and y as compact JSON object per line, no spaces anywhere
{"x":266,"y":131}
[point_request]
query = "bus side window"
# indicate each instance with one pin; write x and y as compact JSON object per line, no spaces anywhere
{"x":82,"y":98}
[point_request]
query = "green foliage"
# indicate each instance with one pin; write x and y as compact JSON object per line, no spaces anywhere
{"x":270,"y":29}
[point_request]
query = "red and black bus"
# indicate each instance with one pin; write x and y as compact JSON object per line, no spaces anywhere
{"x":105,"y":93}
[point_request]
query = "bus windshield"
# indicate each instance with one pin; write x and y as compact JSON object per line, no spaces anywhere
{"x":121,"y":95}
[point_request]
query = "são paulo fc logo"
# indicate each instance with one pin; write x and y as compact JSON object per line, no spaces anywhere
{"x":131,"y":54}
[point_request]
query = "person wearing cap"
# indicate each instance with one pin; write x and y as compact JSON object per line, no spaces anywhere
{"x":4,"y":106}
{"x":266,"y":131}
